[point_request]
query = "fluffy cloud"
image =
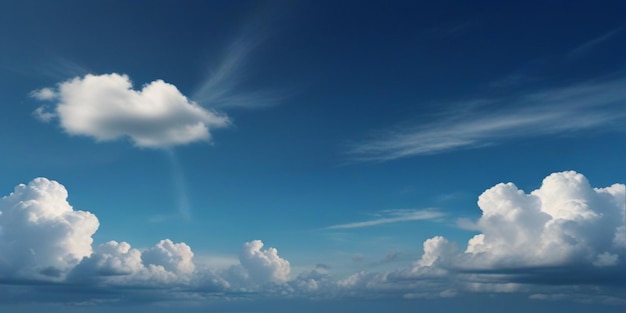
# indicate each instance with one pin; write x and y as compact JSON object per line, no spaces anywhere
{"x":565,"y":222}
{"x":562,"y":237}
{"x":41,"y":236}
{"x":117,"y":263}
{"x":263,"y":266}
{"x":563,"y":233}
{"x":106,"y":107}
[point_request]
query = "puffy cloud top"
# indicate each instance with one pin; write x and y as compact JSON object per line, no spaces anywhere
{"x":40,"y":234}
{"x":106,"y":107}
{"x":565,"y":223}
{"x":263,"y":265}
{"x":174,"y":257}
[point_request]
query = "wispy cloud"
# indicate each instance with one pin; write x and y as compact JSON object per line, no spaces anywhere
{"x":393,"y":216}
{"x":221,"y":88}
{"x":594,"y":105}
{"x":589,"y":45}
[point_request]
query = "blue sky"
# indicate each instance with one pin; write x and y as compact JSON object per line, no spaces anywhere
{"x":165,"y":147}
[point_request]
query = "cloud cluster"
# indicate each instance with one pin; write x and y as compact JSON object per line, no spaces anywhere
{"x":117,"y":263}
{"x":106,"y":107}
{"x":565,"y":234}
{"x":565,"y":238}
{"x":565,"y":222}
{"x":43,"y":238}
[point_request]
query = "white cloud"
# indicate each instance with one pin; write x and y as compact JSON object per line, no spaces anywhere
{"x":437,"y":249}
{"x":555,"y":239}
{"x":565,"y":222}
{"x":117,"y":263}
{"x":222,"y":87}
{"x":565,"y":233}
{"x":41,"y":236}
{"x":44,"y":94}
{"x":42,"y":114}
{"x":173,"y":257}
{"x":263,"y":266}
{"x":483,"y":122}
{"x":106,"y":107}
{"x":393,"y":216}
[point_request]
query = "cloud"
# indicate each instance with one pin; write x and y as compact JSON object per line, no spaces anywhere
{"x":566,"y":238}
{"x":393,"y":216}
{"x":41,"y":113}
{"x":563,"y":238}
{"x":106,"y":107}
{"x":564,"y":222}
{"x":44,"y":94}
{"x":221,"y":88}
{"x":41,"y":236}
{"x":484,"y":122}
{"x":118,"y":264}
{"x":591,"y":44}
{"x":263,"y":266}
{"x":564,"y":233}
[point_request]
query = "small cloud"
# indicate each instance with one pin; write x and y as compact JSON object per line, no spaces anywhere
{"x":263,"y":266}
{"x":42,"y":114}
{"x":393,"y":216}
{"x":44,"y":94}
{"x":106,"y":107}
{"x":467,"y":224}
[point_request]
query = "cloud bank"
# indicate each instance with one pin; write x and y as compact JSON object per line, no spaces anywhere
{"x":564,"y":236}
{"x":106,"y":107}
{"x":562,"y":240}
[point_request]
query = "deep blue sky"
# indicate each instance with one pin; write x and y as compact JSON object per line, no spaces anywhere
{"x":396,"y":114}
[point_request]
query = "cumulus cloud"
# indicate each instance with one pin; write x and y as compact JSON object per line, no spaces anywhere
{"x":565,"y":221}
{"x":557,"y":239}
{"x":106,"y":107}
{"x":263,"y":265}
{"x":564,"y":233}
{"x":41,"y":235}
{"x":117,"y":263}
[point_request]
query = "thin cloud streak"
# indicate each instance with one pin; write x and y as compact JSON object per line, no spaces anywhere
{"x":178,"y":178}
{"x":221,"y":88}
{"x":591,"y":44}
{"x":579,"y":107}
{"x":393,"y":216}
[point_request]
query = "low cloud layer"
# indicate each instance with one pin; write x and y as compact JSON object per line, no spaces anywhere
{"x":565,"y":236}
{"x":106,"y":107}
{"x":562,"y":239}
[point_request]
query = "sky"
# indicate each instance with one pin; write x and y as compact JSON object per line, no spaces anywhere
{"x":312,"y":156}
